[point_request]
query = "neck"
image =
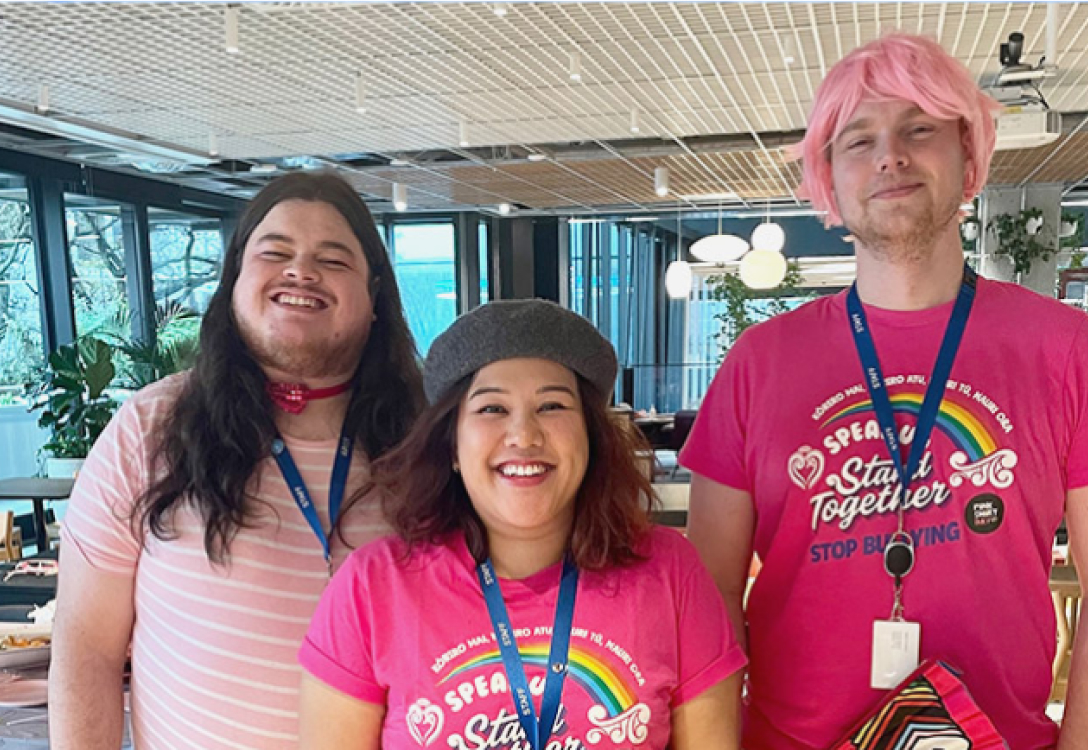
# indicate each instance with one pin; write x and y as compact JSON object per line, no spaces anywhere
{"x":521,"y":557}
{"x":917,"y":283}
{"x":322,"y":419}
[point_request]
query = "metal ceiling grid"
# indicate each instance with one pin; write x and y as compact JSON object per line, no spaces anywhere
{"x":689,"y":69}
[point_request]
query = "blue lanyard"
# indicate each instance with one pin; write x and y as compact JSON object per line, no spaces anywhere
{"x":874,"y":377}
{"x":536,"y":733}
{"x":298,"y":489}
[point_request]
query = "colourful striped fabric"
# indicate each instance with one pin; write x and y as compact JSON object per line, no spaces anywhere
{"x":931,"y":709}
{"x":214,"y":648}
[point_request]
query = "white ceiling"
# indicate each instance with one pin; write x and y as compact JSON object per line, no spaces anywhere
{"x":693,"y":72}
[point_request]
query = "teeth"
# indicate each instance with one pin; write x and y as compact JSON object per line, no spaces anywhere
{"x":287,"y":299}
{"x":523,"y":471}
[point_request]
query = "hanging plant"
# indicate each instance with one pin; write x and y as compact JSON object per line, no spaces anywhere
{"x":1018,"y":238}
{"x":969,"y":232}
{"x":1071,"y":236}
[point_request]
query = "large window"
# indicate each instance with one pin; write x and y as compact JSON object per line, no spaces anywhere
{"x":612,"y":280}
{"x":423,"y":260}
{"x":97,"y":250}
{"x":485,"y":266}
{"x":186,"y":258}
{"x":21,"y":350}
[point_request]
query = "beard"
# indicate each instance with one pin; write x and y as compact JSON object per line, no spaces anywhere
{"x":907,"y":237}
{"x":316,"y":357}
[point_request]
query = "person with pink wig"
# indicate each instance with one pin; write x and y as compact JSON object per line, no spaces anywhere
{"x":900,"y":455}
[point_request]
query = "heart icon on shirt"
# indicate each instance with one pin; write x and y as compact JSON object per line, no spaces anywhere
{"x":424,"y":721}
{"x":806,"y":467}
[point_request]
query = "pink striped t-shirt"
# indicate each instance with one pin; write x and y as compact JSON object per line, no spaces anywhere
{"x":214,"y":647}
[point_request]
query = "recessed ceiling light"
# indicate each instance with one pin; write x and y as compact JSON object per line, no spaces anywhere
{"x":43,"y":99}
{"x":661,"y":181}
{"x":789,"y":52}
{"x":505,"y":208}
{"x":537,"y":156}
{"x":230,"y":29}
{"x":400,"y":196}
{"x":499,"y":9}
{"x":263,"y":168}
{"x":360,"y":94}
{"x":637,"y":219}
{"x":398,"y":162}
{"x":575,"y":69}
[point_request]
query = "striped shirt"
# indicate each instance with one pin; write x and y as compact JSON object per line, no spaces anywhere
{"x":213,"y":647}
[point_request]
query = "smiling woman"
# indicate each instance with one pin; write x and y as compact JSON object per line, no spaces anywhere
{"x":519,"y":507}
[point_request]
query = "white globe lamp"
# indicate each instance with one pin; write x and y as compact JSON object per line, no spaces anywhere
{"x":719,"y":248}
{"x":769,"y":236}
{"x":678,"y":279}
{"x":763,"y":269}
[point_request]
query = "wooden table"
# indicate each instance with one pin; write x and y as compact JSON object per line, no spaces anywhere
{"x":656,"y":428}
{"x":37,"y":490}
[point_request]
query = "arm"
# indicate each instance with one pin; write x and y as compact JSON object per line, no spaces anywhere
{"x":331,"y":720}
{"x":721,"y":524}
{"x":1074,"y":734}
{"x":91,"y":634}
{"x":711,"y":719}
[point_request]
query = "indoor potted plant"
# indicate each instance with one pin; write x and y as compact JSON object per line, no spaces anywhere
{"x":1018,"y":238}
{"x":74,"y":405}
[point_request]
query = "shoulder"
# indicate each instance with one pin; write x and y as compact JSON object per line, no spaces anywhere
{"x":664,"y":547}
{"x":1020,"y":304}
{"x":154,"y":402}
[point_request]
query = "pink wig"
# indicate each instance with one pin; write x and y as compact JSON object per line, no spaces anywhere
{"x":897,"y":66}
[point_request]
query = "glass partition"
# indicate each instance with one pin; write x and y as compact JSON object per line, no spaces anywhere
{"x":424,"y":262}
{"x":21,"y":349}
{"x":186,"y":258}
{"x":96,"y":249}
{"x":485,"y":268}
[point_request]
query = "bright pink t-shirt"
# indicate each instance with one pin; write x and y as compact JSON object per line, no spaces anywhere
{"x":413,"y":633}
{"x":789,"y":420}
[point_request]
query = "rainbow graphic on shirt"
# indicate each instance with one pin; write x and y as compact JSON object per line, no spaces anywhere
{"x":601,"y":681}
{"x":962,"y":427}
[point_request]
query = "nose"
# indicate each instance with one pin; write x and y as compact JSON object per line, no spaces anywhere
{"x":524,"y":432}
{"x":302,"y":270}
{"x":892,"y":156}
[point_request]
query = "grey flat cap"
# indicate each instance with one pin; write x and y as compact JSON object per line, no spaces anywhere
{"x":512,"y":329}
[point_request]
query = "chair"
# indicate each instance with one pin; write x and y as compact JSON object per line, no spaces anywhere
{"x":681,"y":428}
{"x":52,"y":528}
{"x":11,"y":537}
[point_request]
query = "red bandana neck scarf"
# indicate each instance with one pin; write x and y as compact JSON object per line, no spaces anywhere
{"x":293,"y":397}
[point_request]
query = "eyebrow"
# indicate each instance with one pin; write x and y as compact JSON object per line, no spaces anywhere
{"x":865,"y":122}
{"x":286,"y":240}
{"x":484,"y":390}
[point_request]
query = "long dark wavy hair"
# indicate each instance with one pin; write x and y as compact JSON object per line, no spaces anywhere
{"x":222,"y":425}
{"x":425,"y":500}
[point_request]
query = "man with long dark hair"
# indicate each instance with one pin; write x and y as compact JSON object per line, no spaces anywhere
{"x":213,"y":510}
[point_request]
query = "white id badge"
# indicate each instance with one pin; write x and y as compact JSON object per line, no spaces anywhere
{"x":895,"y":652}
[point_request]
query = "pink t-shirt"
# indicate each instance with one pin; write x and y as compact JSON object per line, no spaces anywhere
{"x":213,"y":648}
{"x":789,"y":420}
{"x":413,"y":633}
